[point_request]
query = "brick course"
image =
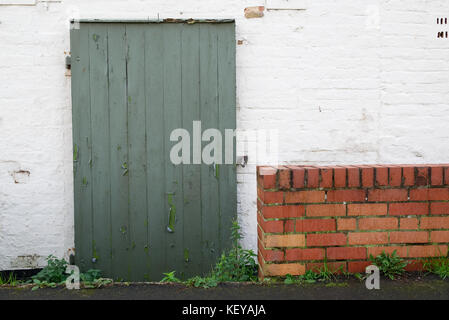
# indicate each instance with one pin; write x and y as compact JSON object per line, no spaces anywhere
{"x":342,"y":215}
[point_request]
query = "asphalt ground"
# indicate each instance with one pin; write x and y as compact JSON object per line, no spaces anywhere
{"x":409,"y":287}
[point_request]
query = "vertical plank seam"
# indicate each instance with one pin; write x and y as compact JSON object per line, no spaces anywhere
{"x":163,"y":144}
{"x":109,"y":151}
{"x":75,"y":133}
{"x":201,"y":145}
{"x":127,"y":146}
{"x":147,"y":260}
{"x":181,"y":183}
{"x":219,"y":126}
{"x":91,"y":160}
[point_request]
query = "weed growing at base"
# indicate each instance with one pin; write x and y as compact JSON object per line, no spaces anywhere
{"x":390,"y":265}
{"x":9,"y":280}
{"x":236,"y":264}
{"x":439,"y":266}
{"x":323,"y":274}
{"x":54,"y":274}
{"x":170,"y":277}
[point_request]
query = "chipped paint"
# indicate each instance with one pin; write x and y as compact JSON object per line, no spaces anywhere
{"x":171,"y":214}
{"x":75,"y":152}
{"x":29,"y":261}
{"x":217,"y":171}
{"x":166,"y":20}
{"x":95,"y":256}
{"x":125,"y":168}
{"x":20,"y":176}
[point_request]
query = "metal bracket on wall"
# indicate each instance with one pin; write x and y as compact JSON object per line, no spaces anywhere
{"x":242,"y":161}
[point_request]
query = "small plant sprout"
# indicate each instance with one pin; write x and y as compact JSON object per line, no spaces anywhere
{"x":200,"y":282}
{"x":327,"y":274}
{"x":438,"y":266}
{"x":289,"y":279}
{"x":9,"y":280}
{"x":170,"y":277}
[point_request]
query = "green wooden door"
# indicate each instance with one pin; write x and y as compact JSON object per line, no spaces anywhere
{"x":137,"y":214}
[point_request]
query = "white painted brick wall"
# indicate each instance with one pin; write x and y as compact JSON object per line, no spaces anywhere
{"x":342,"y":86}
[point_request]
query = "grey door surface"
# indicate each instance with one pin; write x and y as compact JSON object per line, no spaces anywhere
{"x":137,"y":214}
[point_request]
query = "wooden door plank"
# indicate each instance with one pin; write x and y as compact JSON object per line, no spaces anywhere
{"x":82,"y":146}
{"x":191,"y":172}
{"x":227,"y":120}
{"x":172,"y":121}
{"x":98,"y":44}
{"x":117,"y":50}
{"x":137,"y":152}
{"x":156,"y":197}
{"x":209,"y":119}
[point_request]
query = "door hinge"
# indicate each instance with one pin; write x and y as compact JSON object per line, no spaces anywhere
{"x":242,"y":161}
